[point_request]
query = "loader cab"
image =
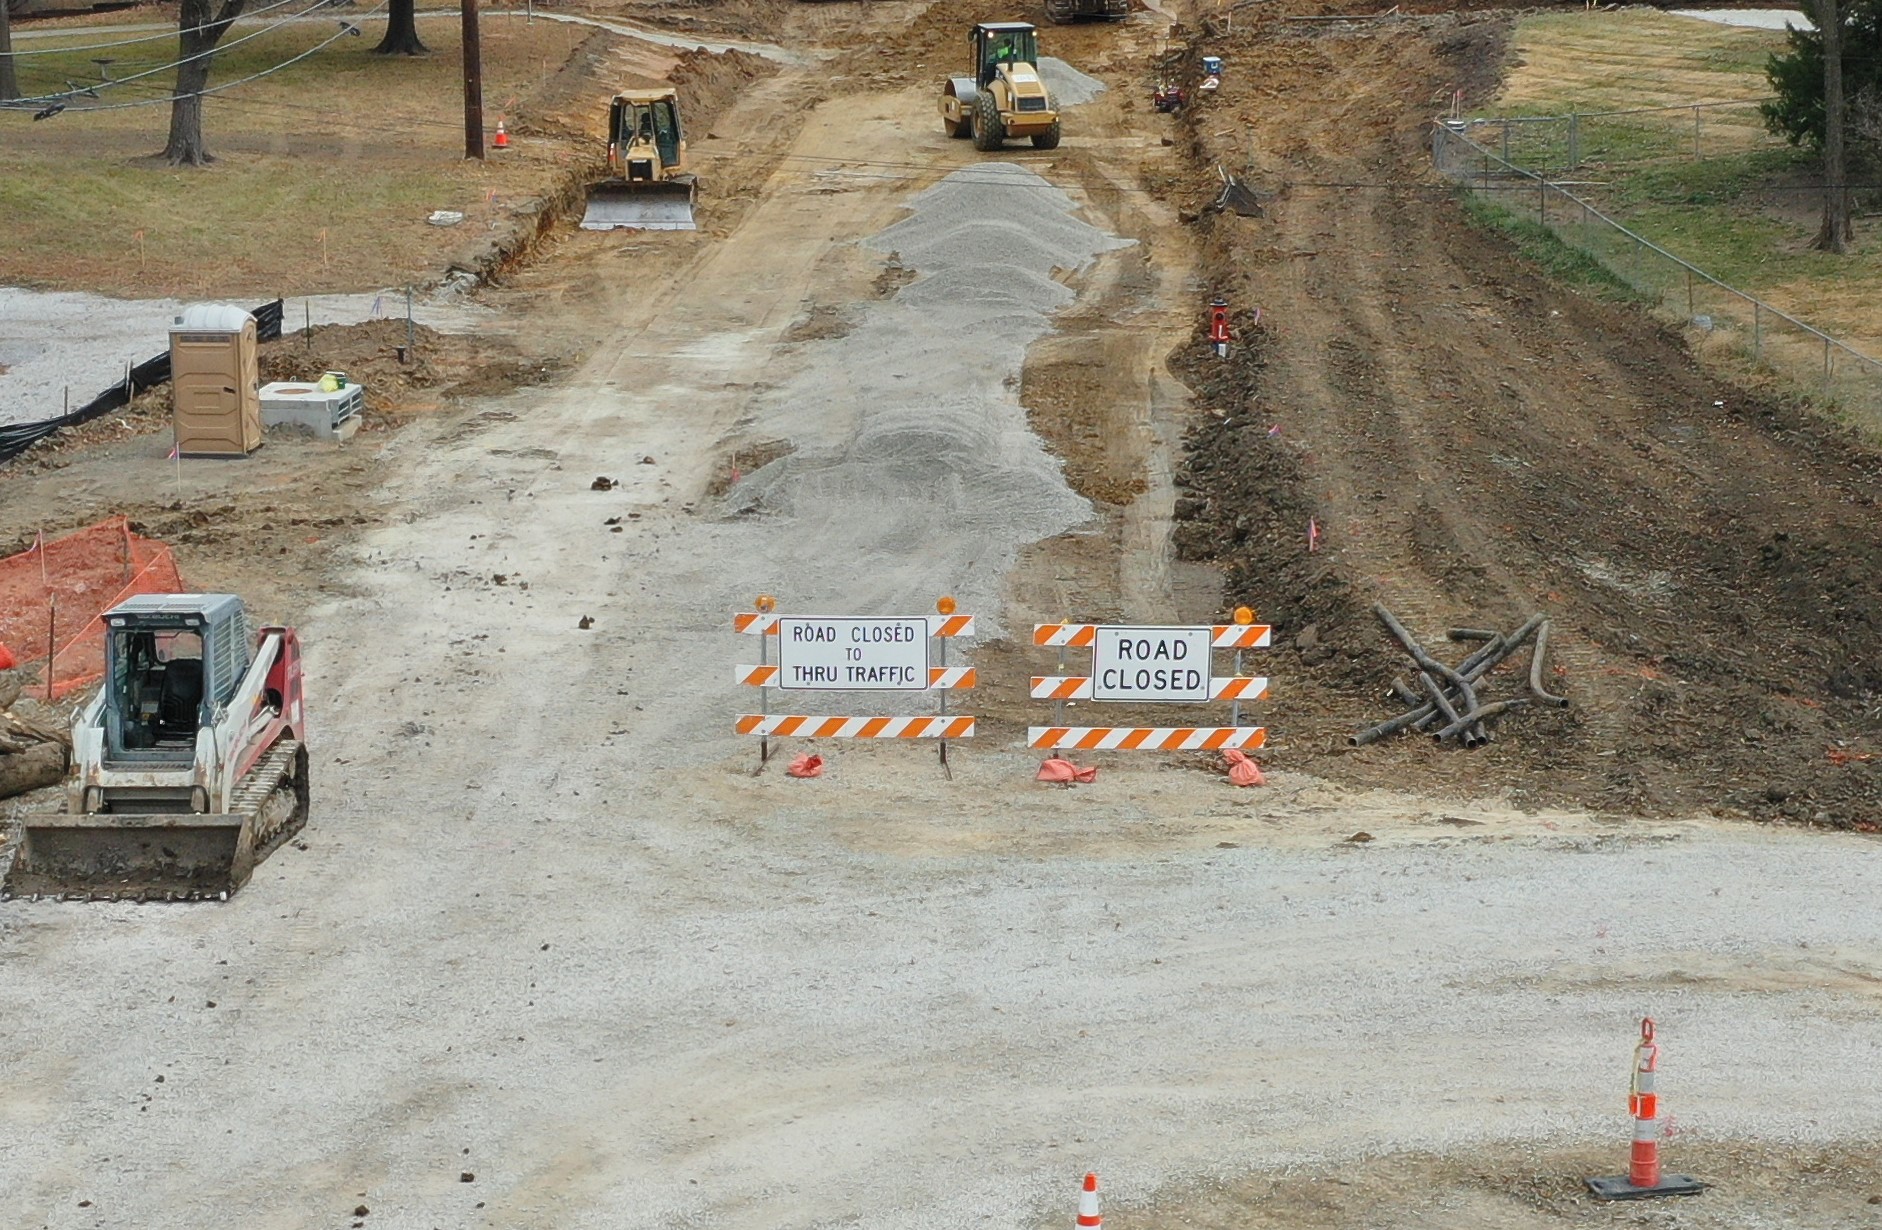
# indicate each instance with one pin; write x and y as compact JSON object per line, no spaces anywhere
{"x":650,"y":121}
{"x":1002,"y":42}
{"x":170,"y":662}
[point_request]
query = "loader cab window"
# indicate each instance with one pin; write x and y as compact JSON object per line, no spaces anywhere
{"x":1009,"y":47}
{"x":157,"y":686}
{"x":666,"y":131}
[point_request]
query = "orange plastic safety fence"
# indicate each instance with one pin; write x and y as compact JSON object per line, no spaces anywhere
{"x":53,"y":593}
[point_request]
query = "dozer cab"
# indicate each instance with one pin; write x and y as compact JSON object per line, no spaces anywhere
{"x":1005,"y":97}
{"x":189,"y":766}
{"x":648,"y":186}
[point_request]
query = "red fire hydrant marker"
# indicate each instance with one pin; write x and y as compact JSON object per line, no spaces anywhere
{"x":1643,"y":1180}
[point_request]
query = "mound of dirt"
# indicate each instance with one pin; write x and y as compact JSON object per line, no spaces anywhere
{"x":442,"y":365}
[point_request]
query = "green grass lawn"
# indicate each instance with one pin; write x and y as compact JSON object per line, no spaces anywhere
{"x":1745,"y":211}
{"x":325,"y":175}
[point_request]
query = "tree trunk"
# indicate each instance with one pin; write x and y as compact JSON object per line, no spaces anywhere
{"x":9,"y":80}
{"x":41,"y":765}
{"x":1836,"y":231}
{"x":402,"y":31}
{"x":197,"y":36}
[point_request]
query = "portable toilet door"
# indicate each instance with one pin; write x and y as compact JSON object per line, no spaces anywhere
{"x":214,"y":376}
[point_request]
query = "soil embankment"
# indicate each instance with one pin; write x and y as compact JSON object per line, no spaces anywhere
{"x":1474,"y":443}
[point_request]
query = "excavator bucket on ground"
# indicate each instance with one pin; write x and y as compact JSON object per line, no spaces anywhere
{"x":656,"y":205}
{"x":189,"y":766}
{"x":648,"y":187}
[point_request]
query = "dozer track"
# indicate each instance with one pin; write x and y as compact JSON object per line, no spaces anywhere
{"x":1063,"y":12}
{"x":162,"y":856}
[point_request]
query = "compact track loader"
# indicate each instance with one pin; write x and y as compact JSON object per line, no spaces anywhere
{"x":1005,"y":97}
{"x":648,"y":187}
{"x":189,"y":766}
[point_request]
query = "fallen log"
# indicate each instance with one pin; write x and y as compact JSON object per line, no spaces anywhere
{"x":41,"y":765}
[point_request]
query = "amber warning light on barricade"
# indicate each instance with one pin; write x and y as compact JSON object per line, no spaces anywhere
{"x":1244,"y":615}
{"x":944,"y":606}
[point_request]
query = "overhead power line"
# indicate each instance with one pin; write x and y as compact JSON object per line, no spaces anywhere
{"x":151,"y":38}
{"x":52,"y":105}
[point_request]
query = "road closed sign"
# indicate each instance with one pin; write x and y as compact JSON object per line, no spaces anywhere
{"x":863,"y":655}
{"x":1151,"y":664}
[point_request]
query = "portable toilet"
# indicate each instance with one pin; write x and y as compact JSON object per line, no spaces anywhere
{"x":215,"y":378}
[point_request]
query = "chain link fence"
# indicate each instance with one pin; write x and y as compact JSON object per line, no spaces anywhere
{"x":1773,"y":340}
{"x":1559,"y":144}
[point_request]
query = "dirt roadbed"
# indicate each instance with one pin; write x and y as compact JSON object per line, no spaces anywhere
{"x":552,"y":951}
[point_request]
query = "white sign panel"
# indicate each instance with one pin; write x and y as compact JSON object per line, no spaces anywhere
{"x":860,"y":655}
{"x":1150,"y":664}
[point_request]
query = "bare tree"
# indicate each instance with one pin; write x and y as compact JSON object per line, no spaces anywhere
{"x":402,"y":31}
{"x":198,"y":32}
{"x":1836,"y":231}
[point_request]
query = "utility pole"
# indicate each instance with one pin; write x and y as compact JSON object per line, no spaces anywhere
{"x":473,"y":84}
{"x":1835,"y":235}
{"x":9,"y":81}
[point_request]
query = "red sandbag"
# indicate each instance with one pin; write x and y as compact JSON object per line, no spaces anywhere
{"x":1242,"y":770}
{"x":805,"y":765}
{"x":1064,"y":772}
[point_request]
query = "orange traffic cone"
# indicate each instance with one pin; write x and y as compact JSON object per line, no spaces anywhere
{"x":503,"y":138}
{"x":1644,"y":1179}
{"x":1088,"y":1216}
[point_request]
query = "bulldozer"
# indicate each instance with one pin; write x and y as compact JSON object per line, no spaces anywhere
{"x":648,"y":186}
{"x":189,"y":765}
{"x":1005,"y":97}
{"x":1063,"y":12}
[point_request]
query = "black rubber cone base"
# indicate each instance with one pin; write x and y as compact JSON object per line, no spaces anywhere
{"x":1616,"y":1187}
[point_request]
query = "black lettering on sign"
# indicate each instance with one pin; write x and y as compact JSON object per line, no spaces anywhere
{"x":813,"y":633}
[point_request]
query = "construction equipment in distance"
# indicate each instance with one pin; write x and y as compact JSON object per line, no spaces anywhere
{"x":1062,"y":12}
{"x":1005,"y":97}
{"x":189,"y":766}
{"x":648,"y":186}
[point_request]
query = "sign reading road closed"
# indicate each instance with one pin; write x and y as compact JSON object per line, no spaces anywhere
{"x":877,"y":655}
{"x":1151,"y":664}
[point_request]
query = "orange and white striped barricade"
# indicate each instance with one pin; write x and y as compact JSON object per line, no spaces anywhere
{"x":853,"y":653}
{"x":1089,"y":1217}
{"x":1643,"y":1180}
{"x":1151,"y":665}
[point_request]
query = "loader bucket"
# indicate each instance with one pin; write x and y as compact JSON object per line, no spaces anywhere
{"x":658,"y":206}
{"x":132,"y":857}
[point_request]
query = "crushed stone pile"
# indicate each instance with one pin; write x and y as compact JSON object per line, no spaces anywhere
{"x":1067,"y":85}
{"x":911,"y":441}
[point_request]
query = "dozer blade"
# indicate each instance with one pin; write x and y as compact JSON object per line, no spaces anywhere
{"x":664,"y":206}
{"x":163,"y":856}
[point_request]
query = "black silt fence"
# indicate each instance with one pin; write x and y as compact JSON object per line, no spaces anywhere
{"x":16,"y":438}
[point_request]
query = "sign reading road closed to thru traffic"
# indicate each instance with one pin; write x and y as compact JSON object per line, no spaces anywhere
{"x":1150,"y":664}
{"x":879,"y":655}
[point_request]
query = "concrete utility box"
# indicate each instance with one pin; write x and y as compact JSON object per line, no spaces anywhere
{"x":304,"y":406}
{"x":214,"y":373}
